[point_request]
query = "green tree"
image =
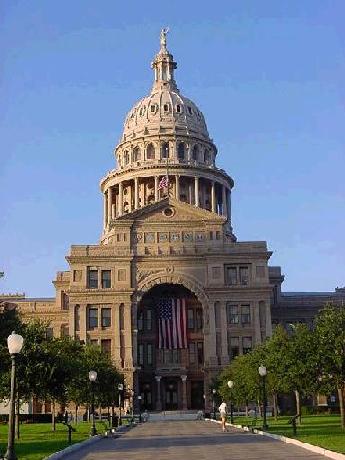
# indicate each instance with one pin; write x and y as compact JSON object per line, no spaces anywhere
{"x":330,"y":337}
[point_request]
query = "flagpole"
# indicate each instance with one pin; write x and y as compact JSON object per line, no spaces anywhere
{"x":167,"y":170}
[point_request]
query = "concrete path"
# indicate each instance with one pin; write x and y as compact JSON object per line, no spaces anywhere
{"x":190,"y":440}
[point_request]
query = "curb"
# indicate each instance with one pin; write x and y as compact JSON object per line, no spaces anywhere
{"x":74,"y":447}
{"x":296,"y":442}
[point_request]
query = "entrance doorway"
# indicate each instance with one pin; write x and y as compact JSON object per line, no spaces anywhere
{"x":197,"y":395}
{"x":171,"y":398}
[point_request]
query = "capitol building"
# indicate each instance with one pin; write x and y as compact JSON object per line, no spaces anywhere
{"x":169,"y":291}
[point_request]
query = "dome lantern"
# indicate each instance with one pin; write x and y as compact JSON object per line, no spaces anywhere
{"x":164,"y":65}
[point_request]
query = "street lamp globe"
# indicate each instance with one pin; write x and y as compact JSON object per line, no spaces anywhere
{"x":214,"y":391}
{"x":92,"y":376}
{"x":120,"y":386}
{"x":262,"y":371}
{"x":230,"y":384}
{"x":15,"y":343}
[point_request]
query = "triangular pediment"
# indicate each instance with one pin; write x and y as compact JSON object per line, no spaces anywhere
{"x":171,"y":210}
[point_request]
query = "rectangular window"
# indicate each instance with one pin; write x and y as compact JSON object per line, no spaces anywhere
{"x":49,"y":333}
{"x":92,"y":318}
{"x":141,"y":354}
{"x":246,"y":345}
{"x":77,"y":318}
{"x":245,"y":314}
{"x":234,"y":347}
{"x":200,"y":349}
{"x":232,"y":314}
{"x":92,"y":279}
{"x":218,"y":346}
{"x":64,"y":330}
{"x":231,"y":275}
{"x":149,"y":354}
{"x":198,"y":318}
{"x":244,"y":275}
{"x":191,"y":351}
{"x":190,"y":318}
{"x":65,"y":301}
{"x":148,"y":320}
{"x":106,"y":279}
{"x":106,"y":317}
{"x":106,"y":346}
{"x":140,"y":320}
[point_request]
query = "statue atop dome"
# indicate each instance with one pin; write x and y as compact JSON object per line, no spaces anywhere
{"x":163,"y":38}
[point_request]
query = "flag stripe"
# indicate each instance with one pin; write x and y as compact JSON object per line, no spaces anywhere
{"x":172,"y":324}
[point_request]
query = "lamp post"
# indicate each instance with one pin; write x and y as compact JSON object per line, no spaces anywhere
{"x":120,"y":388}
{"x":263,"y":373}
{"x":213,"y":403}
{"x":230,"y":385}
{"x":15,"y":344}
{"x":139,"y":404}
{"x":93,"y":378}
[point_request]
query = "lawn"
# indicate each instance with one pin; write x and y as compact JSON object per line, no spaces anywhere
{"x":321,"y":430}
{"x":37,"y":441}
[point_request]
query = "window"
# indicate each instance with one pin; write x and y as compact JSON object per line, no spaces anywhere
{"x":165,"y":150}
{"x":153,"y":108}
{"x":234,"y":347}
{"x":178,"y":108}
{"x":149,"y":354}
{"x":232,"y":314}
{"x":106,"y":346}
{"x":106,"y":317}
{"x":140,"y":320}
{"x":190,"y":110}
{"x":65,"y":301}
{"x":92,"y":280}
{"x":217,"y":315}
{"x":198,"y":318}
{"x":191,"y":352}
{"x":49,"y":333}
{"x":200,"y":351}
{"x":190,"y":318}
{"x":218,"y":346}
{"x":195,"y":153}
{"x":247,"y":344}
{"x":126,"y":157}
{"x":136,"y":154}
{"x":244,"y":275}
{"x":150,"y":152}
{"x":245,"y":314}
{"x":166,"y":107}
{"x":122,"y":316}
{"x":64,"y":330}
{"x":106,"y":279}
{"x":231,"y":275}
{"x":141,"y":354}
{"x":92,"y":318}
{"x":180,"y":151}
{"x":77,"y":318}
{"x":148,"y":320}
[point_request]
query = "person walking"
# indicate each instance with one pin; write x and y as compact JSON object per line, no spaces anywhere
{"x":222,"y":410}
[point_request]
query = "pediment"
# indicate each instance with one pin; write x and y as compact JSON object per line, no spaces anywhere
{"x":180,"y":212}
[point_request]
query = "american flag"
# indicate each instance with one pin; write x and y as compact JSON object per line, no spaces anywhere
{"x":172,"y":322}
{"x":163,"y":183}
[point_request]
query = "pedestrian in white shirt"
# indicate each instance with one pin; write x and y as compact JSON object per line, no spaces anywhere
{"x":222,"y":410}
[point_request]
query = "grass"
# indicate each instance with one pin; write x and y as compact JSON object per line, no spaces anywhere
{"x":321,"y":430}
{"x":37,"y":441}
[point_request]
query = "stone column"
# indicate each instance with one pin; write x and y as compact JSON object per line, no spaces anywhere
{"x":159,"y":398}
{"x":110,"y":203}
{"x":115,"y":321}
{"x":224,"y":333}
{"x":128,"y":335}
{"x":196,"y":191}
{"x":105,"y":210}
{"x":136,"y":193}
{"x":257,"y":326}
{"x":120,"y":209}
{"x":213,"y":197}
{"x":224,"y":206}
{"x":177,"y":188}
{"x":156,"y":188}
{"x":184,"y":392}
{"x":83,"y":321}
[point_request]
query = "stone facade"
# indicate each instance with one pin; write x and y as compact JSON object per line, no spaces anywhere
{"x":167,"y":233}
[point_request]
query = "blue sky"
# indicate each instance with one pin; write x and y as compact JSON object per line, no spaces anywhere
{"x":268,"y":76}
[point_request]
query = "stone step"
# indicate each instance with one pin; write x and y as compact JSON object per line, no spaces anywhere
{"x":174,"y":415}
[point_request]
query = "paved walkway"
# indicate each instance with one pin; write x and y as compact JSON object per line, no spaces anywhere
{"x":190,"y":440}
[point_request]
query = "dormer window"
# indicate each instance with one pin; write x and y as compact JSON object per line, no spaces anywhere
{"x":166,"y":107}
{"x":190,"y":111}
{"x":178,"y":108}
{"x":153,"y":108}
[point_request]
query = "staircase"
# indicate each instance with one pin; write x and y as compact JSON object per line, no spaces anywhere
{"x":174,"y":415}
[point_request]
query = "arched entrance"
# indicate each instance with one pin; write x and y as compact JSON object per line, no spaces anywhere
{"x":170,"y":353}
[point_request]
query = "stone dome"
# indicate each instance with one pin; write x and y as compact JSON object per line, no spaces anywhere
{"x":164,"y":110}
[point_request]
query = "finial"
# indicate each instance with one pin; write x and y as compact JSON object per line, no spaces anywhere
{"x":163,"y":38}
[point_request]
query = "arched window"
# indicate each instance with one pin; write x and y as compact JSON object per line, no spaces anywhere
{"x":206,"y":156}
{"x":195,"y":153}
{"x":136,"y":154}
{"x":126,"y":157}
{"x":165,"y":150}
{"x":150,"y":152}
{"x":181,"y":151}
